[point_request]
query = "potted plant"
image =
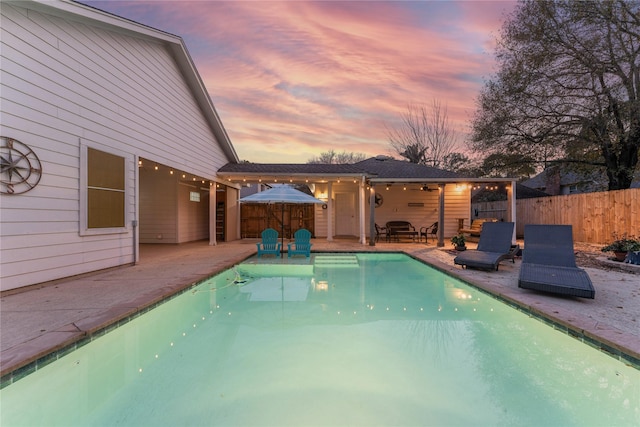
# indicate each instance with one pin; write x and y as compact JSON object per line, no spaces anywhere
{"x":622,"y":245}
{"x":459,"y":242}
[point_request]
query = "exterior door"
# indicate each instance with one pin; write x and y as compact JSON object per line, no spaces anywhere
{"x":346,"y":213}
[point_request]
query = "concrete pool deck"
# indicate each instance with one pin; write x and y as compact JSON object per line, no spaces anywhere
{"x":37,"y":322}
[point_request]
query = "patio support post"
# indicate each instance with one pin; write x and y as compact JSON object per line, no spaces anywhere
{"x":330,"y":212}
{"x":441,"y":215}
{"x":511,"y":201}
{"x":361,"y":219}
{"x":372,"y":215}
{"x":212,"y":215}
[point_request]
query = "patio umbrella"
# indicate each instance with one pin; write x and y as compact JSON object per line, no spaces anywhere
{"x":281,"y":194}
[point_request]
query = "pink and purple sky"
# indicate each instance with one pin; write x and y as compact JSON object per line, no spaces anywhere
{"x":293,"y":79}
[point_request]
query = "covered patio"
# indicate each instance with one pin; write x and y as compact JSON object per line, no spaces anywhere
{"x":374,"y":191}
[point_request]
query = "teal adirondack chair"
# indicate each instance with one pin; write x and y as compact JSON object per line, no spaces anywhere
{"x":301,"y":242}
{"x":270,"y":244}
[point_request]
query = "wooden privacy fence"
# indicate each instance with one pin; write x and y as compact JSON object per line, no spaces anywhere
{"x":255,"y":217}
{"x":595,"y":217}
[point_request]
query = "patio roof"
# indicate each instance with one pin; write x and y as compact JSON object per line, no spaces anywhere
{"x":378,"y":169}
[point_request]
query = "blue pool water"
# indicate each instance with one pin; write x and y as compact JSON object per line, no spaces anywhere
{"x":366,"y":339}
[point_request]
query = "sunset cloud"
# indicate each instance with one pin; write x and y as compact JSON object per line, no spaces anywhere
{"x":293,"y":79}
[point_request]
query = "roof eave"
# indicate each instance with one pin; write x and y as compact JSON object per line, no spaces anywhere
{"x":439,"y":180}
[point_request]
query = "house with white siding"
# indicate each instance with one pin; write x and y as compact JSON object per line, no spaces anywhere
{"x":109,"y":139}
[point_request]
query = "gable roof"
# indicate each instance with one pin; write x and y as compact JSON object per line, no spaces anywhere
{"x":289,"y":169}
{"x":385,"y":167}
{"x":375,"y":169}
{"x":78,"y":12}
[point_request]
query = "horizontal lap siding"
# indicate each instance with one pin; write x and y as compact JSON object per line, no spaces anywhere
{"x":65,"y":82}
{"x":193,"y":217}
{"x":158,"y":210}
{"x":457,"y":205}
{"x":396,"y":206}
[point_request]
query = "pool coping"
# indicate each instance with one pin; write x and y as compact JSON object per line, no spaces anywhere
{"x":26,"y":358}
{"x":599,"y":341}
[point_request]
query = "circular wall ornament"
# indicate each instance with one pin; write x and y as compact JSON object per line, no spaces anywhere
{"x":378,"y":200}
{"x":20,"y":168}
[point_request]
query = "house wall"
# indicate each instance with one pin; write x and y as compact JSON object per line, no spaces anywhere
{"x":403,"y":205}
{"x":457,"y":206}
{"x":193,"y":217}
{"x":232,"y":220}
{"x":158,"y":209}
{"x":70,"y":82}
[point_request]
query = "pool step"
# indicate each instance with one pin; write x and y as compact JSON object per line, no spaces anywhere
{"x":336,"y":261}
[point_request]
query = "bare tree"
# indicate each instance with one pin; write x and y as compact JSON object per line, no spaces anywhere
{"x":425,"y":134}
{"x":332,"y":158}
{"x":567,"y":88}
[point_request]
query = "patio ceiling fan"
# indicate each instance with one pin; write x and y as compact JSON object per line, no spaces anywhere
{"x":425,"y":187}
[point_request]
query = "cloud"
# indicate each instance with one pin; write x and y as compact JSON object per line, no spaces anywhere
{"x":293,"y":79}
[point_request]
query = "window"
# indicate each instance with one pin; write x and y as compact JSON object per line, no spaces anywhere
{"x":105,"y":190}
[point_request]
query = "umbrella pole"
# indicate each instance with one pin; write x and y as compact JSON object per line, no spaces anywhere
{"x":282,"y":225}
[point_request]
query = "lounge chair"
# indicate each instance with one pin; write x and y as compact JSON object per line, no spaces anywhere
{"x":301,"y":244}
{"x":493,"y":247}
{"x":270,"y":244}
{"x":549,"y":263}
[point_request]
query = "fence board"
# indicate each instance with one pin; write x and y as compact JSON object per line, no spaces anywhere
{"x":595,"y":217}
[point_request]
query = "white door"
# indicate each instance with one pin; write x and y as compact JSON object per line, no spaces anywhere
{"x":346,"y":214}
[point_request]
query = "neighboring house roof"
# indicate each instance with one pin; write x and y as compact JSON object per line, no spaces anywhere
{"x":524,"y":192}
{"x":79,"y":12}
{"x":567,"y":177}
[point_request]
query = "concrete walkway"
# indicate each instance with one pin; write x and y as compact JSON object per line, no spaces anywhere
{"x":37,"y":322}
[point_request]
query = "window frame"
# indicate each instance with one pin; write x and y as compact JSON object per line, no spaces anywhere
{"x":84,"y":191}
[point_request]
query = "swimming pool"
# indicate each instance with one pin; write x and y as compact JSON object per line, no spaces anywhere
{"x":357,"y":339}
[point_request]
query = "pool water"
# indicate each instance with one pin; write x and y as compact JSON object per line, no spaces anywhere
{"x":366,"y":339}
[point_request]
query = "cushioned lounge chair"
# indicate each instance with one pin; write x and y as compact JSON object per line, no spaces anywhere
{"x":301,"y":245}
{"x":549,"y":263}
{"x":270,"y":244}
{"x":493,"y":247}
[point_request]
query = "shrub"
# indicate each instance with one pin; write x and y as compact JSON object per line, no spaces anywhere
{"x":623,"y":243}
